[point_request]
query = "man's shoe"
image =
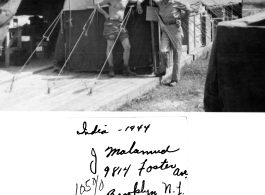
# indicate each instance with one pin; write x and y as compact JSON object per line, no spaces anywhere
{"x":160,"y":74}
{"x":171,"y":83}
{"x":111,"y":72}
{"x":127,"y":72}
{"x":56,"y":69}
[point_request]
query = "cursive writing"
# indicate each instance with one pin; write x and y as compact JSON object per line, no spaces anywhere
{"x":112,"y":151}
{"x":163,"y":166}
{"x":95,"y":131}
{"x":168,"y":188}
{"x":135,"y":190}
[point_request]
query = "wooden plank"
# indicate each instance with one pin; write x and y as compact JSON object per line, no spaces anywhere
{"x":20,"y":89}
{"x":81,"y":91}
{"x":105,"y":92}
{"x":57,"y":96}
{"x":125,"y":96}
{"x":32,"y":99}
{"x":197,"y":31}
{"x":82,"y":102}
{"x":7,"y":74}
{"x":38,"y":94}
{"x":41,"y":96}
{"x":190,"y":34}
{"x":206,"y":30}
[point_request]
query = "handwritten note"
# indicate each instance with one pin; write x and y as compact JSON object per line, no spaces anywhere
{"x":128,"y":156}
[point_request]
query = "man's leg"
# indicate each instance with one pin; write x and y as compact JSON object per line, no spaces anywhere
{"x":164,"y":52}
{"x":110,"y":44}
{"x":126,"y":55}
{"x":177,"y":57}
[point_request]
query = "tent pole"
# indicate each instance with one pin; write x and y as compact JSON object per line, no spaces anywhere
{"x":70,"y":26}
{"x":153,"y":42}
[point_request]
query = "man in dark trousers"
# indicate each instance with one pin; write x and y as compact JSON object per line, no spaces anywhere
{"x":170,"y":13}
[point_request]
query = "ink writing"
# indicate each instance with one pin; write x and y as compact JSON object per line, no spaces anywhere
{"x":169,"y":190}
{"x":137,"y":128}
{"x":95,"y":131}
{"x":135,"y":190}
{"x":88,"y":185}
{"x":163,"y":166}
{"x":112,"y":151}
{"x":93,"y":163}
{"x":116,"y":170}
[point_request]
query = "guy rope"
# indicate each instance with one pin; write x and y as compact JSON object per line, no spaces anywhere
{"x":53,"y":25}
{"x":84,"y":30}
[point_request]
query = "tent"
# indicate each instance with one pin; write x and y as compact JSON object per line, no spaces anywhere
{"x":90,"y":52}
{"x":235,"y":81}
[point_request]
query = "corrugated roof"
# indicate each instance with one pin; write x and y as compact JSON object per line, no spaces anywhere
{"x":220,"y":2}
{"x":212,"y":2}
{"x":253,"y":1}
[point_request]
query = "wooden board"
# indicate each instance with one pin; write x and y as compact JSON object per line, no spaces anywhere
{"x":197,"y":31}
{"x":150,"y":13}
{"x":206,"y":30}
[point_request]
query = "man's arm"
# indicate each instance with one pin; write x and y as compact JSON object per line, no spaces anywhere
{"x":138,"y":5}
{"x":99,"y":8}
{"x":187,"y":10}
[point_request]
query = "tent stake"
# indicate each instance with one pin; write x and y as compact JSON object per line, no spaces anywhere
{"x":12,"y":83}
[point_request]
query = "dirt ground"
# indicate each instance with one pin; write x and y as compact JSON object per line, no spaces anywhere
{"x":186,"y":96}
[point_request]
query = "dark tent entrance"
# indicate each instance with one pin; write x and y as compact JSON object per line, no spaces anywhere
{"x":21,"y":35}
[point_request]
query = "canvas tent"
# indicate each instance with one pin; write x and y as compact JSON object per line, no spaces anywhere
{"x":90,"y":52}
{"x":235,"y":80}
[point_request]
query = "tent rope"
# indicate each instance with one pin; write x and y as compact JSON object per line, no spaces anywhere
{"x":70,"y":13}
{"x":84,"y":29}
{"x":122,"y":27}
{"x":61,"y":22}
{"x":54,"y":23}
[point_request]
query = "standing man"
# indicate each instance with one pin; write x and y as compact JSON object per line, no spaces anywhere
{"x":111,"y":30}
{"x":170,"y":12}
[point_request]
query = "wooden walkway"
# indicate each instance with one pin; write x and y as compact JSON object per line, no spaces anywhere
{"x":70,"y":91}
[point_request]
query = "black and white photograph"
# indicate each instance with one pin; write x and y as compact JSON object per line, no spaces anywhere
{"x":135,"y":55}
{"x":132,"y":97}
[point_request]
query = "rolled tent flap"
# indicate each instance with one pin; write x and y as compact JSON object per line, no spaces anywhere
{"x":78,"y":5}
{"x":7,"y":11}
